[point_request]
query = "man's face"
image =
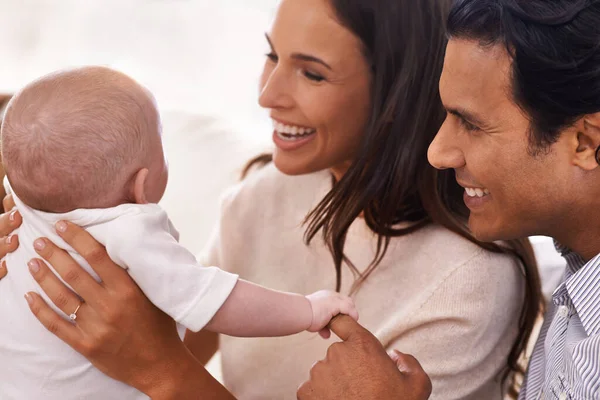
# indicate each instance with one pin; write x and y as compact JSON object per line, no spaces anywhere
{"x":511,"y":189}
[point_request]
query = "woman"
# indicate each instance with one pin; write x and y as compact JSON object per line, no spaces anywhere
{"x":352,"y":90}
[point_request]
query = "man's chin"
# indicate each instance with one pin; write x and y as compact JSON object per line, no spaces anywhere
{"x":495,"y":229}
{"x":484,"y":231}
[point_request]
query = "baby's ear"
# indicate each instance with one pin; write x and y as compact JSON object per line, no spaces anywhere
{"x":139,"y":186}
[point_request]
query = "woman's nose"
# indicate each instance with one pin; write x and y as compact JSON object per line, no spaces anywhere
{"x":276,"y":92}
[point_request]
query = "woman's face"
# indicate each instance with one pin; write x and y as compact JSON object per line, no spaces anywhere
{"x":316,"y":84}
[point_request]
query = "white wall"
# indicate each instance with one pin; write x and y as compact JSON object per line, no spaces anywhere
{"x":201,"y":59}
{"x":199,"y":56}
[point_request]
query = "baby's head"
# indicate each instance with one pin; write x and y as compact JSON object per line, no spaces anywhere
{"x":83,"y":138}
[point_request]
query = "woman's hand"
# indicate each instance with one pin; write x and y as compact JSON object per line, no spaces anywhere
{"x":359,"y":368}
{"x":9,"y":221}
{"x":117,"y":328}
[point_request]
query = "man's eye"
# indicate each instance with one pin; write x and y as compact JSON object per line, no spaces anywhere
{"x":468,"y":126}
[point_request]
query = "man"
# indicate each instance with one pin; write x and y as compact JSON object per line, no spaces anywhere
{"x":521,"y":84}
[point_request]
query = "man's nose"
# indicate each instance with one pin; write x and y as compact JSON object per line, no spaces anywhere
{"x":445,"y":152}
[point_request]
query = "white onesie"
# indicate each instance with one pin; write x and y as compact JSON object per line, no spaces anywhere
{"x":35,"y":364}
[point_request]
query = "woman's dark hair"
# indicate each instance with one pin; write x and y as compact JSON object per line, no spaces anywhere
{"x":555,"y":49}
{"x":390,"y":181}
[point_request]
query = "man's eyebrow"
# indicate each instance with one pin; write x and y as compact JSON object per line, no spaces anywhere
{"x":465,"y":115}
{"x":301,"y":56}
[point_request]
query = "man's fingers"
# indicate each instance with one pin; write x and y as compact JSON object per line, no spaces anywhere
{"x":9,"y":221}
{"x":8,"y":203}
{"x":52,"y":321}
{"x":305,"y":391}
{"x":92,"y":251}
{"x":68,"y":269}
{"x":406,"y":363}
{"x":411,"y":367}
{"x":345,"y":327}
{"x":317,"y":374}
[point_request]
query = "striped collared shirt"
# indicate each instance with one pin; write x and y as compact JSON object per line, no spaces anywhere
{"x":566,"y":358}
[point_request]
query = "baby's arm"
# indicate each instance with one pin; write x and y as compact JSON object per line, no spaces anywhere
{"x":255,"y":311}
{"x":199,"y":297}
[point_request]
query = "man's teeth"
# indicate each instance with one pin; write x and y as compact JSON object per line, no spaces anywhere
{"x":476,"y":192}
{"x":292,"y":130}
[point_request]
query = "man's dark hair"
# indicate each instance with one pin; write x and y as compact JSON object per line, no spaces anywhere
{"x":555,"y":47}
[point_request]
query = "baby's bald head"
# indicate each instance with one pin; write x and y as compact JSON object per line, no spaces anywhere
{"x":77,"y":138}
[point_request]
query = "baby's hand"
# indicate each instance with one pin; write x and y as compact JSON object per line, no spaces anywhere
{"x":326,"y":305}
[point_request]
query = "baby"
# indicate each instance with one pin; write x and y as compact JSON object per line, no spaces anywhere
{"x":85,"y":146}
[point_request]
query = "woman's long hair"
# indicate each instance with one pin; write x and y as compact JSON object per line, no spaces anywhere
{"x":391,"y":181}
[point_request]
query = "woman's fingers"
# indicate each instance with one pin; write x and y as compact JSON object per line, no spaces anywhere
{"x":68,"y":269}
{"x":92,"y":251}
{"x":8,"y":203}
{"x":3,"y":269}
{"x":8,"y":244}
{"x":9,"y":222}
{"x":56,"y":324}
{"x":61,"y":296}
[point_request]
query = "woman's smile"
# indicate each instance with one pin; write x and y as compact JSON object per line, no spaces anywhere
{"x":287,"y":136}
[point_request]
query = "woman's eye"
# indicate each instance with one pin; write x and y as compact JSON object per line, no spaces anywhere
{"x":313,"y":77}
{"x":272,"y":56}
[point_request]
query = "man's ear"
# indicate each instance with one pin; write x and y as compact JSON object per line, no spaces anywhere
{"x":139,"y":186}
{"x":588,"y":142}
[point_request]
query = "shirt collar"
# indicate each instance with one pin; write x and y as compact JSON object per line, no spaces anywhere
{"x":583,"y":285}
{"x":574,"y":261}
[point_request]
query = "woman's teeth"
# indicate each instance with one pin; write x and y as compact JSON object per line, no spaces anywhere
{"x":476,"y":192}
{"x":292,"y":132}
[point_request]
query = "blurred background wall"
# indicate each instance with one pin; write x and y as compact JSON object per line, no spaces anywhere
{"x":201,"y":59}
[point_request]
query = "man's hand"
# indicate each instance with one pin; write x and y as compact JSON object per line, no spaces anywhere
{"x":359,"y":368}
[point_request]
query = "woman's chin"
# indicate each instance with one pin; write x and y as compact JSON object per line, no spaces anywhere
{"x":292,"y":165}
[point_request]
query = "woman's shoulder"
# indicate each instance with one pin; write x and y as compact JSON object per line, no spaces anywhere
{"x":449,"y":274}
{"x":268,"y":191}
{"x":446,"y":248}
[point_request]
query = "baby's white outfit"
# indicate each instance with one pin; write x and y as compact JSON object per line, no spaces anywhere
{"x":35,"y":364}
